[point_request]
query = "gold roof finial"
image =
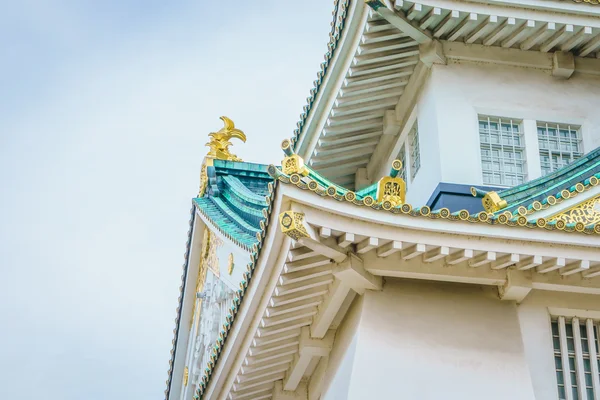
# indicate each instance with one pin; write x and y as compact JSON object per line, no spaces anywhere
{"x":219,"y":149}
{"x":219,"y":141}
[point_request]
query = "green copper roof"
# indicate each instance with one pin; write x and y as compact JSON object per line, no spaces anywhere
{"x":573,"y":178}
{"x":235,"y":199}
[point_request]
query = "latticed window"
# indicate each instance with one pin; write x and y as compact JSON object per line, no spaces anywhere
{"x":559,"y":145}
{"x":415,"y":155}
{"x":576,"y":358}
{"x":502,"y":151}
{"x":402,"y":157}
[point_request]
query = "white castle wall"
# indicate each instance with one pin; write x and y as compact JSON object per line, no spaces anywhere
{"x":456,"y":93}
{"x":423,"y":340}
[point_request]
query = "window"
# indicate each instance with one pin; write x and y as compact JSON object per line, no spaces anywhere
{"x":402,"y":157}
{"x":502,"y":151}
{"x":576,"y":358}
{"x":415,"y":155}
{"x":559,"y":145}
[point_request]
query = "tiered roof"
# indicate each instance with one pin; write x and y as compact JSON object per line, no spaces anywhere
{"x":235,"y":199}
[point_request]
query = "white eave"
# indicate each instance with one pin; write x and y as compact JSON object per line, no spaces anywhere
{"x":303,"y":289}
{"x":378,"y":60}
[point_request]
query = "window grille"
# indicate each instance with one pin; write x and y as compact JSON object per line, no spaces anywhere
{"x":402,"y":157}
{"x":415,"y":152}
{"x":576,"y":358}
{"x":559,"y":144}
{"x":502,"y":151}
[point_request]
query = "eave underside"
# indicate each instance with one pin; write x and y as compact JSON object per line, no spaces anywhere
{"x":346,"y":254}
{"x":379,"y":80}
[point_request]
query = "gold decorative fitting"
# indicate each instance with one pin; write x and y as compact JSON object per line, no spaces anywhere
{"x":292,"y":224}
{"x":391,"y":190}
{"x":219,"y":149}
{"x":231,"y":265}
{"x":492,"y":202}
{"x":219,"y":141}
{"x":294,"y":164}
{"x":586,"y":213}
{"x":186,"y":375}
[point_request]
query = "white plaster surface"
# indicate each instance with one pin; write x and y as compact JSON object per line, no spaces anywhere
{"x":535,"y":320}
{"x":422,"y":340}
{"x":456,"y":93}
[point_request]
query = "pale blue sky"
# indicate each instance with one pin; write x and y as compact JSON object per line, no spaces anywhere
{"x":105,"y":108}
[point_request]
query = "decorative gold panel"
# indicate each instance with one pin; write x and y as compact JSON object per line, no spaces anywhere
{"x":293,"y":164}
{"x":392,"y":190}
{"x":492,"y":202}
{"x":586,"y":213}
{"x":292,"y":224}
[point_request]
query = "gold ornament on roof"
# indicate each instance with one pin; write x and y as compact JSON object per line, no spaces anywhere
{"x":291,"y":223}
{"x":391,"y":190}
{"x":219,"y":149}
{"x":292,"y":163}
{"x":585,"y":213}
{"x":491,"y":201}
{"x":219,"y":141}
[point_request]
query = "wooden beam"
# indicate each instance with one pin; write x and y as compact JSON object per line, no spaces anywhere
{"x":309,"y":348}
{"x":279,"y":393}
{"x":436,"y":254}
{"x":459,"y":256}
{"x":529,"y":263}
{"x":317,"y":379}
{"x":413,"y":251}
{"x":367,"y":245}
{"x":543,"y":32}
{"x":556,"y":38}
{"x":551,"y":265}
{"x":592,"y":272}
{"x":394,"y":266}
{"x":399,"y":20}
{"x":488,"y":23}
{"x":389,"y":248}
{"x":462,"y":27}
{"x":589,"y":47}
{"x":502,"y":29}
{"x":306,"y":263}
{"x":345,"y":240}
{"x":352,"y":273}
{"x":450,"y":19}
{"x":430,"y":18}
{"x":482,"y":259}
{"x":576,"y":39}
{"x":327,"y":311}
{"x":518,"y":34}
{"x":505,"y":261}
{"x":304,"y":275}
{"x":516,"y":288}
{"x":575,"y":267}
{"x":324,"y":232}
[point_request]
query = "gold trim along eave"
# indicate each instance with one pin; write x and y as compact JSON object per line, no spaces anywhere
{"x":506,"y":218}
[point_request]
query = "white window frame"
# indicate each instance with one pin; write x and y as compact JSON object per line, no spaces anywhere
{"x":502,"y":148}
{"x":584,"y":325}
{"x":530,"y":119}
{"x":414,"y":150}
{"x":572,"y":155}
